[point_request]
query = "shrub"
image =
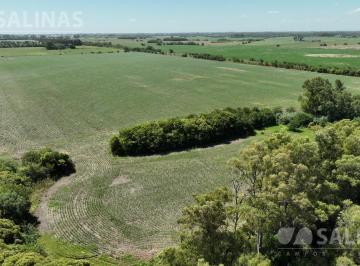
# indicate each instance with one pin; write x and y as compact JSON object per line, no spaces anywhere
{"x":8,"y":165}
{"x":192,"y":131}
{"x":9,"y":231}
{"x":300,"y":120}
{"x":253,"y":260}
{"x":46,"y":163}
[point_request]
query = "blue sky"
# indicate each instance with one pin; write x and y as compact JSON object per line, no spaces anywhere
{"x":128,"y":16}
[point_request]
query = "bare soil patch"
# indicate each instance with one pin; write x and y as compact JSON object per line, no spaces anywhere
{"x":232,"y":69}
{"x":333,"y":55}
{"x":42,"y":212}
{"x":120,"y":180}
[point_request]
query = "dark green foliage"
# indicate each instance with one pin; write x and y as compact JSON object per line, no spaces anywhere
{"x":206,"y":234}
{"x":148,"y":49}
{"x":8,"y":165}
{"x":46,"y":163}
{"x":208,"y":57}
{"x":300,"y":120}
{"x":61,"y":44}
{"x":175,"y":39}
{"x":181,"y":43}
{"x":321,"y":98}
{"x":9,"y":231}
{"x":14,"y":196}
{"x":20,"y":44}
{"x":192,"y":131}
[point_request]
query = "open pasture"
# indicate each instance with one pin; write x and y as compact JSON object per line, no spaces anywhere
{"x":75,"y":103}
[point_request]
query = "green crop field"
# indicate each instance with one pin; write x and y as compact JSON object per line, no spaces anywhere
{"x":284,"y":49}
{"x":38,"y":51}
{"x":76,"y":102}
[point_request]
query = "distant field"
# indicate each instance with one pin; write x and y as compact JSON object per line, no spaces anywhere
{"x":336,"y":53}
{"x":76,"y":102}
{"x":37,"y":51}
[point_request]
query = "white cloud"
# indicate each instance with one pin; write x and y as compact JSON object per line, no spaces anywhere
{"x":132,"y":20}
{"x":355,"y":11}
{"x":273,"y":12}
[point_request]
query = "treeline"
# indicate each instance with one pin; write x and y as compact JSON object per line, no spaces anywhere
{"x":148,"y":49}
{"x":175,"y":39}
{"x":301,"y":66}
{"x":61,"y":44}
{"x":206,"y":56}
{"x":163,"y":42}
{"x":192,"y":131}
{"x":20,"y":44}
{"x":50,"y":44}
{"x":181,"y":43}
{"x":98,"y":44}
{"x":287,"y":65}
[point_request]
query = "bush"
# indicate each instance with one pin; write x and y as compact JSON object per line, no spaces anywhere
{"x":345,"y":261}
{"x":46,"y":163}
{"x":192,"y":131}
{"x":300,"y":120}
{"x":253,"y":260}
{"x":8,"y":165}
{"x":9,"y":231}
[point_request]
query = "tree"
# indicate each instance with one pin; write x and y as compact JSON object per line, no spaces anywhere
{"x":322,"y":99}
{"x":349,"y":223}
{"x":14,"y":196}
{"x":318,"y":98}
{"x":206,"y":232}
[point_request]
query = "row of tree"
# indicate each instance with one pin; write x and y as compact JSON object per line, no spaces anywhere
{"x":61,"y":44}
{"x":206,"y":56}
{"x":182,"y":43}
{"x":147,"y":49}
{"x":301,"y":66}
{"x":20,"y":44}
{"x":192,"y":131}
